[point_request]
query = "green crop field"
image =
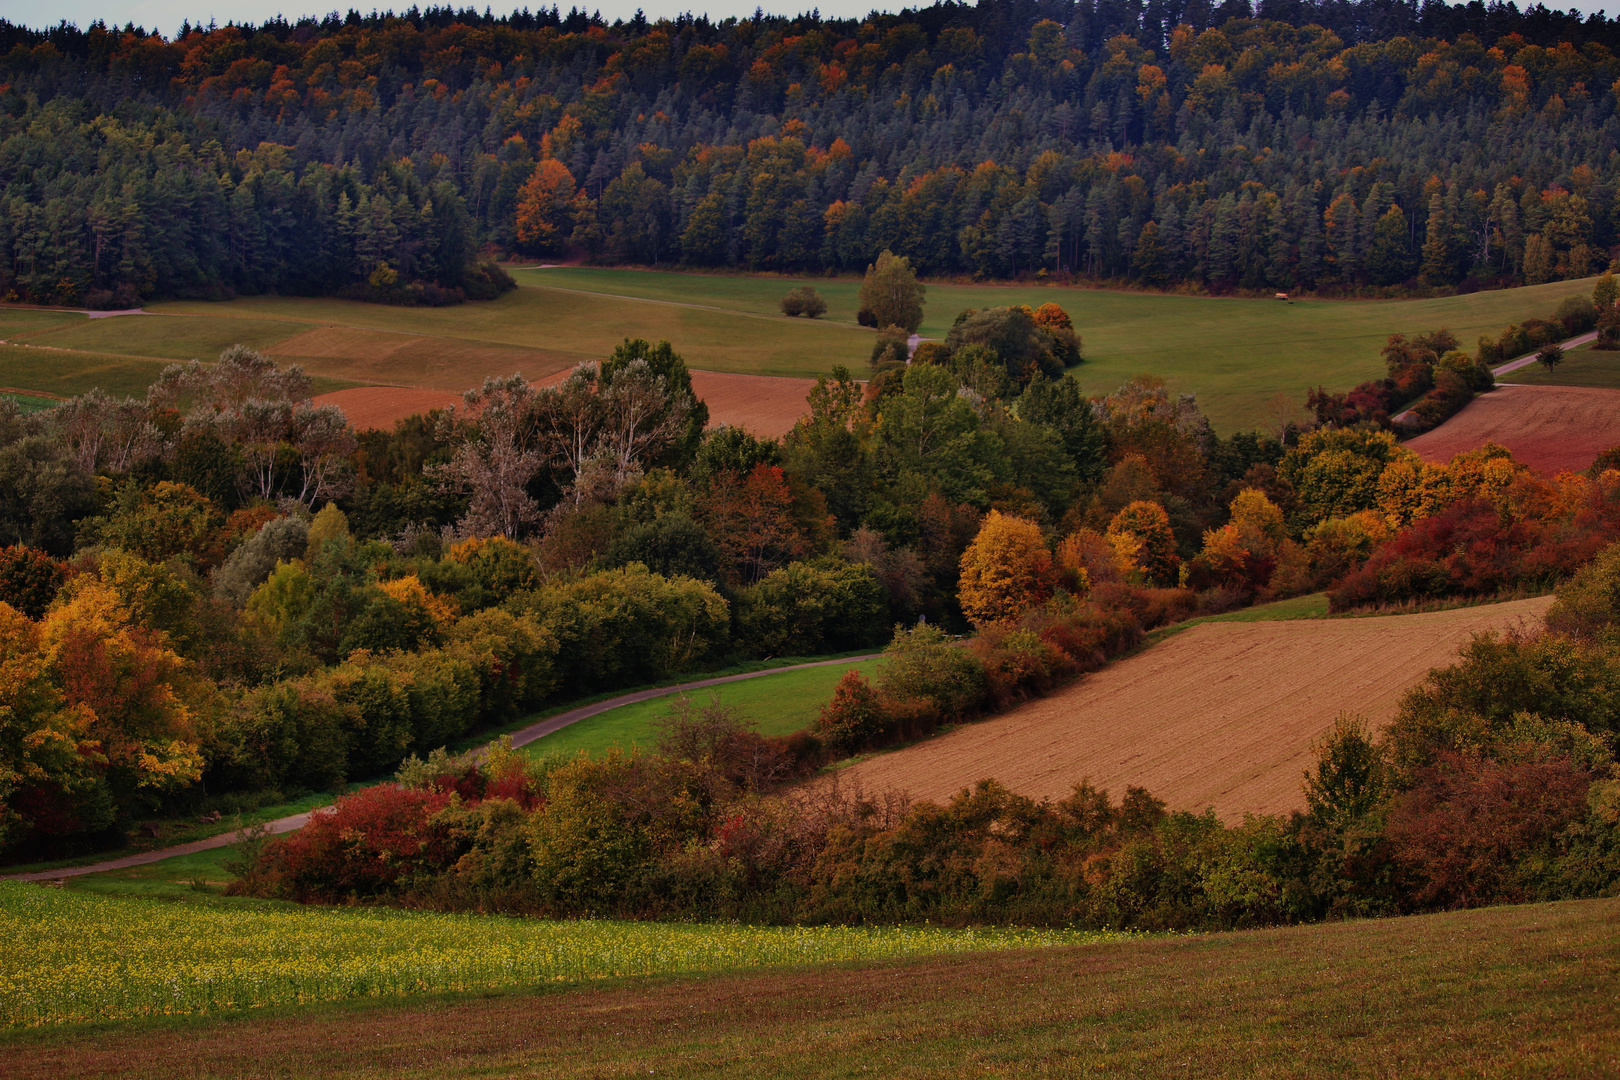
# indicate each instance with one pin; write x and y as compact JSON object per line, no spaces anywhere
{"x":1509,"y":991}
{"x":29,"y":402}
{"x":1582,"y":366}
{"x":1237,"y":355}
{"x":69,"y":956}
{"x":774,"y":704}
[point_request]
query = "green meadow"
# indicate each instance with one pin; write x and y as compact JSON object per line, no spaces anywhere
{"x":1582,"y":366}
{"x":1250,"y":361}
{"x":774,"y":704}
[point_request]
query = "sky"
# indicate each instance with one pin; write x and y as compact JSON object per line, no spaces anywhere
{"x":167,"y":15}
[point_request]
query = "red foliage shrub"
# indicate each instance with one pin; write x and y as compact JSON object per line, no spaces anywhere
{"x":1469,"y":832}
{"x":1471,"y":548}
{"x":1149,"y":607}
{"x":854,"y":716}
{"x":374,"y":842}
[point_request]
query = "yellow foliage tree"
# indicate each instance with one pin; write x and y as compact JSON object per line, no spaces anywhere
{"x":1154,"y":544}
{"x":422,"y":605}
{"x":1005,"y":571}
{"x":134,"y":688}
{"x":42,"y":738}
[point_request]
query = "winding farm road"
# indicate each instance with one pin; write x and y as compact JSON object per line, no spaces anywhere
{"x":521,"y":737}
{"x":1530,"y":358}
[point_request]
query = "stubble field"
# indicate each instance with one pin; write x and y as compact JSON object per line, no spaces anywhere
{"x":1220,"y":715}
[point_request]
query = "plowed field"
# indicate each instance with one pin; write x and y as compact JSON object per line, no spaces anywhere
{"x":1220,"y":715}
{"x":1550,"y":428}
{"x":369,"y":407}
{"x":761,"y":403}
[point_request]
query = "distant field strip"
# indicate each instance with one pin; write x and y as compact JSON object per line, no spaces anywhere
{"x":1237,"y":355}
{"x":1220,"y":715}
{"x":68,"y":957}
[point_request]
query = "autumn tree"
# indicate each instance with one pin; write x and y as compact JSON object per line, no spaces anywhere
{"x":547,"y":205}
{"x":1140,"y":534}
{"x":751,"y":518}
{"x":892,"y":293}
{"x":1005,"y":571}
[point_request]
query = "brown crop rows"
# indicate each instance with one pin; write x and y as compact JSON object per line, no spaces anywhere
{"x":1550,"y":428}
{"x":1220,"y":715}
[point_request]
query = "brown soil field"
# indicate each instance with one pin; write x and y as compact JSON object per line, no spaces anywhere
{"x":435,"y":363}
{"x":1220,"y":715}
{"x":761,"y":403}
{"x":369,"y":407}
{"x":1550,"y":428}
{"x":764,"y":404}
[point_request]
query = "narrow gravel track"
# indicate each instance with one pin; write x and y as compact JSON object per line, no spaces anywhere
{"x":521,"y":737}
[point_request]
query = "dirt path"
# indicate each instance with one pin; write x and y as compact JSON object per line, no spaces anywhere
{"x":1530,"y":358}
{"x":1221,"y":715}
{"x":519,"y":738}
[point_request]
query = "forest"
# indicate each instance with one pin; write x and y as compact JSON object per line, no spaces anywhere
{"x":1341,"y":147}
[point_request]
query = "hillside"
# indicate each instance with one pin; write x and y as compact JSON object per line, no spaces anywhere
{"x":1221,"y":714}
{"x":1344,"y":147}
{"x":1501,"y":991}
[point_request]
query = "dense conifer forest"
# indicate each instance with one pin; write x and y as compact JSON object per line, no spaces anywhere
{"x":1342,"y":147}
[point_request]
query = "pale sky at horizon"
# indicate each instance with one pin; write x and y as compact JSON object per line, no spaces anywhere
{"x":167,"y":15}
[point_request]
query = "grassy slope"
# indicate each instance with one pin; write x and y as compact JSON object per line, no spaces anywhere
{"x":1583,"y":366}
{"x":1235,"y":354}
{"x":776,"y":704}
{"x":1504,"y":991}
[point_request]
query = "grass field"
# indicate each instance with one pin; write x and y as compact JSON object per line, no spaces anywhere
{"x":74,"y":957}
{"x":1582,"y":366}
{"x":1236,"y":354}
{"x":1510,"y":991}
{"x":774,"y":704}
{"x":29,"y":402}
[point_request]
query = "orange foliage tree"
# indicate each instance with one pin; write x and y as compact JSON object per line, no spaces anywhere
{"x":1141,"y":535}
{"x":546,"y":206}
{"x":1005,"y":571}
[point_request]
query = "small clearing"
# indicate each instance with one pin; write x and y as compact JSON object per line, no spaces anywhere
{"x":1220,"y":715}
{"x":1549,"y":428}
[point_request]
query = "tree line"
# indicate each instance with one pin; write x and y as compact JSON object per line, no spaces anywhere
{"x":1335,"y":146}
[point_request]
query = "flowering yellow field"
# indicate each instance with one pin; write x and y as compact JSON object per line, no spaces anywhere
{"x":71,"y":957}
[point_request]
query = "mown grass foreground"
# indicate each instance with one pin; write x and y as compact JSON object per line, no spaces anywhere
{"x":1513,"y":991}
{"x":73,"y":957}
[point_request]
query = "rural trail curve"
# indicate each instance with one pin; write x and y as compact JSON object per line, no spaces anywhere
{"x":1523,"y":361}
{"x":1530,"y":358}
{"x":521,"y":737}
